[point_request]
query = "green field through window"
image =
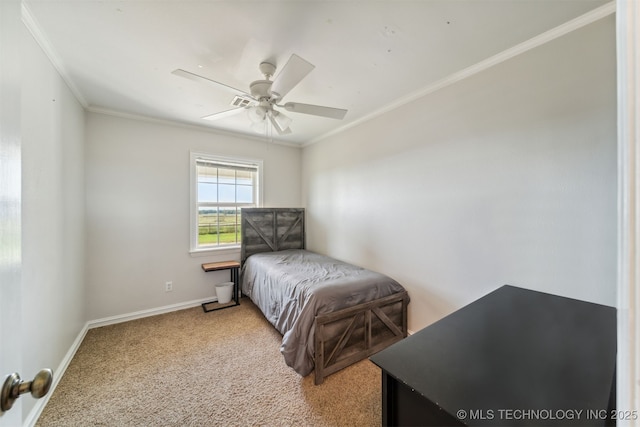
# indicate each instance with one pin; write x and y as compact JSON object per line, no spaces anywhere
{"x":216,"y":229}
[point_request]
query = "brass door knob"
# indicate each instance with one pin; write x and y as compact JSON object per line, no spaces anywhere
{"x":13,"y":387}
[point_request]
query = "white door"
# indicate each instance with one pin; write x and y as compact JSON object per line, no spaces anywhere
{"x":10,"y":201}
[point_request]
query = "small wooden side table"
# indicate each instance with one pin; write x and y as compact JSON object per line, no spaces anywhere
{"x":234,"y":268}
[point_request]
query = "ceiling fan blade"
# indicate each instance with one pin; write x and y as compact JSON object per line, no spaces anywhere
{"x":197,"y":78}
{"x":316,"y":110}
{"x":278,"y":121}
{"x":291,"y":74}
{"x":223,"y":114}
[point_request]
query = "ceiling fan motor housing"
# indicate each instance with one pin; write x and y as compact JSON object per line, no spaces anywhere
{"x":261,"y":89}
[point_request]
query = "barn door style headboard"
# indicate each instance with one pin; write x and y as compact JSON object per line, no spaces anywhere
{"x":270,"y":230}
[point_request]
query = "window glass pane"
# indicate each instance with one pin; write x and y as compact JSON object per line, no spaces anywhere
{"x":228,"y":226}
{"x":207,"y":226}
{"x":245,"y":194}
{"x":207,"y":193}
{"x":227,"y":193}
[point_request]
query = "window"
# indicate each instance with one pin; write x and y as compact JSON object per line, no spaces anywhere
{"x":220,"y":187}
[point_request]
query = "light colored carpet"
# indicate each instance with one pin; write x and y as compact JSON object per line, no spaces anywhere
{"x":190,"y":368}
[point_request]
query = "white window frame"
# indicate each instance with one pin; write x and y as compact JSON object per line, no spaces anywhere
{"x":195,"y":248}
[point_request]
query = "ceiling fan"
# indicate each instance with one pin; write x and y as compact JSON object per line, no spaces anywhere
{"x":266,"y":94}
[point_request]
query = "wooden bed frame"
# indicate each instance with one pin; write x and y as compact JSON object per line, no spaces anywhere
{"x":344,"y":337}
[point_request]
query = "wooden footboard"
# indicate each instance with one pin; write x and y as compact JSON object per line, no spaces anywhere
{"x":345,"y":337}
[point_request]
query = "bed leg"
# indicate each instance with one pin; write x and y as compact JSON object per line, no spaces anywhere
{"x":319,"y":356}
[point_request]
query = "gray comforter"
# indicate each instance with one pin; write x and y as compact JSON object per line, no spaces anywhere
{"x":292,"y":287}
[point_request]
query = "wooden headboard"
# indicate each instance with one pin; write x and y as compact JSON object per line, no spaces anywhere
{"x":271,"y":229}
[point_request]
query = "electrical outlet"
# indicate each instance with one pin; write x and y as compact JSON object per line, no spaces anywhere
{"x":168,"y":286}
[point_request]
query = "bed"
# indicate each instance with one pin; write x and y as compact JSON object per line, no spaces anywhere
{"x":331,"y":314}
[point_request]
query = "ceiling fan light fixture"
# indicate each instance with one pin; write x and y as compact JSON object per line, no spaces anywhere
{"x":256,"y":114}
{"x":282,"y":120}
{"x":279,"y":122}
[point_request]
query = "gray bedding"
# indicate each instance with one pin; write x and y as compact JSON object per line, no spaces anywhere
{"x":291,"y":287}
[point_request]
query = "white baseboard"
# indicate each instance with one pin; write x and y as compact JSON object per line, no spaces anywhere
{"x":34,"y":414}
{"x":112,"y":320}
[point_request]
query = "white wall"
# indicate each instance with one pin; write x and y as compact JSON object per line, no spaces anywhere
{"x":137,"y":186}
{"x":52,"y":215}
{"x":507,"y":177}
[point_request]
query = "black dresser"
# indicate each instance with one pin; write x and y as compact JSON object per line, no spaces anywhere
{"x":515,"y":357}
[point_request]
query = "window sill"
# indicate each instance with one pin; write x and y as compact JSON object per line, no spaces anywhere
{"x":230,"y":250}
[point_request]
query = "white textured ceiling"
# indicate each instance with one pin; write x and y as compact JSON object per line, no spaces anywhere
{"x":118,"y":55}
